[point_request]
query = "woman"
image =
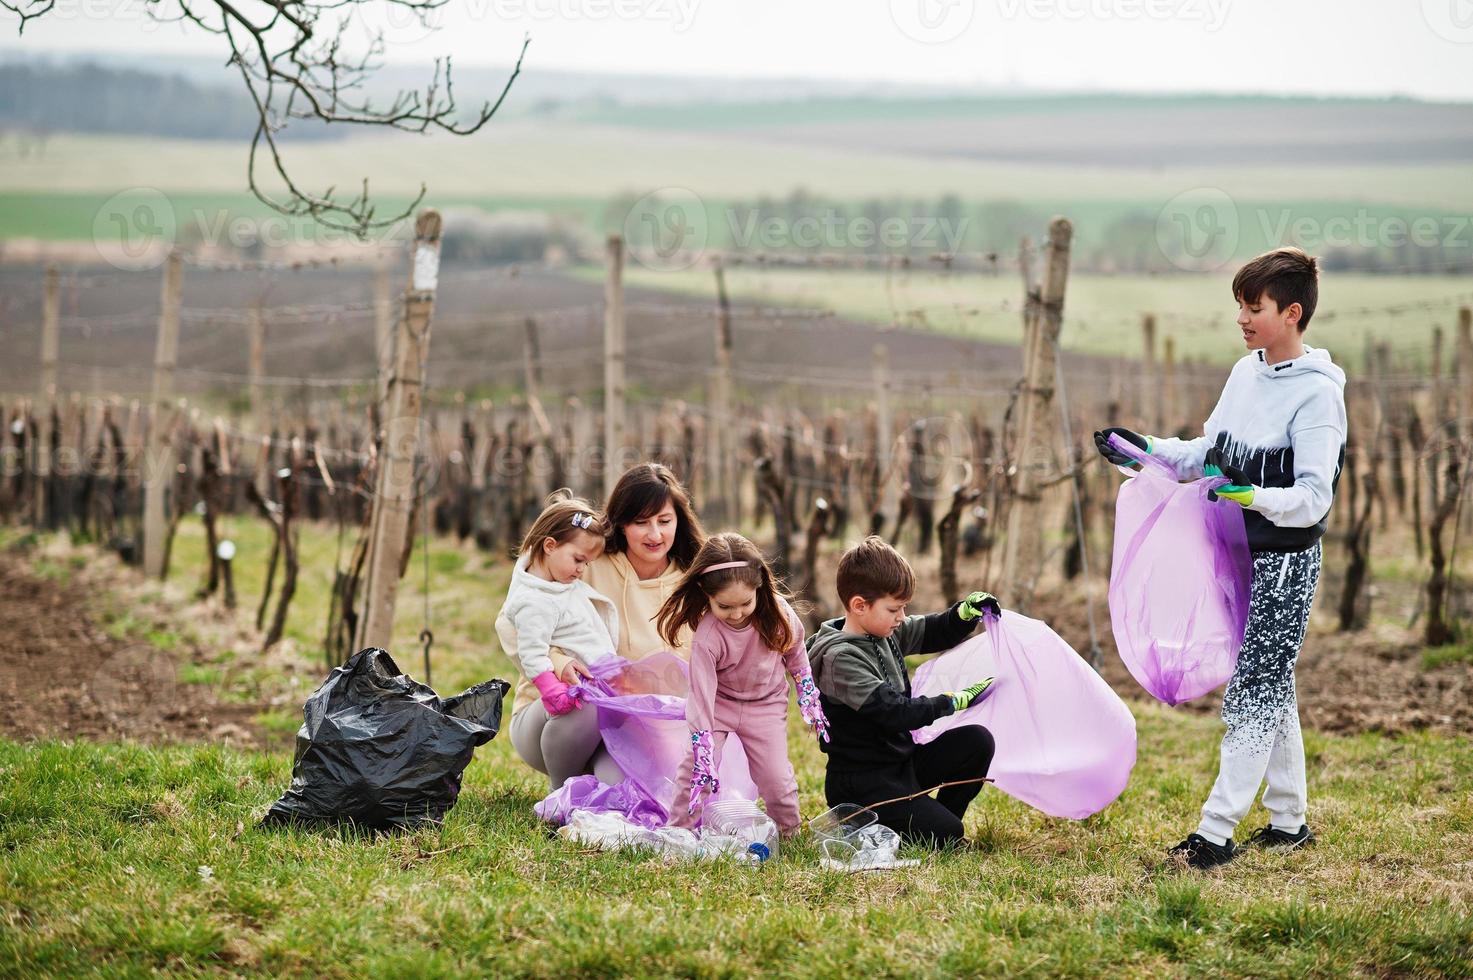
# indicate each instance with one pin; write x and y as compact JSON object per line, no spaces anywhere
{"x":654,"y":535}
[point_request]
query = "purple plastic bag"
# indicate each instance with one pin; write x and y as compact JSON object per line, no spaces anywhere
{"x":1065,"y":741}
{"x":641,"y":716}
{"x":1179,"y":581}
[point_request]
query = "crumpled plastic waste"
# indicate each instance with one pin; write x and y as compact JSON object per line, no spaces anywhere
{"x":853,"y":839}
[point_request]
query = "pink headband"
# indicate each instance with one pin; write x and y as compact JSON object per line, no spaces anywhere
{"x":725,"y":565}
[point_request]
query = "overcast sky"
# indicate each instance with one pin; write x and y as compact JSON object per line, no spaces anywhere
{"x":1372,"y":47}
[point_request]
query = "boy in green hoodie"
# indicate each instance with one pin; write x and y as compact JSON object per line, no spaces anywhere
{"x":858,"y":665}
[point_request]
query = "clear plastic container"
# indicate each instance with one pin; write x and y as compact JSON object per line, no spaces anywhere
{"x":853,"y":839}
{"x":755,"y":833}
{"x":842,"y":822}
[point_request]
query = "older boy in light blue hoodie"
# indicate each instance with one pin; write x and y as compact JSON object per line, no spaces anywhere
{"x":1278,"y":433}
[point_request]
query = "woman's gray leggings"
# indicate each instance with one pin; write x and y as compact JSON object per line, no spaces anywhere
{"x":563,"y":746}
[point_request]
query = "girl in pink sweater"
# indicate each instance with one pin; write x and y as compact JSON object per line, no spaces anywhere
{"x":747,"y":642}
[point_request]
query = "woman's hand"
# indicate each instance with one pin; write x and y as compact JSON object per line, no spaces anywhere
{"x":573,"y":673}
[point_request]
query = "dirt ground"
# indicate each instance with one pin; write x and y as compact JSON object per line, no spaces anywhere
{"x":64,"y":675}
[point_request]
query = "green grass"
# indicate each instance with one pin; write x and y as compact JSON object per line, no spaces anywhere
{"x":101,"y":849}
{"x":1452,"y":653}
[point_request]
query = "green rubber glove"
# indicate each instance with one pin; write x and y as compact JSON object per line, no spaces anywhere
{"x":974,"y":605}
{"x":961,"y":700}
{"x":1240,"y":491}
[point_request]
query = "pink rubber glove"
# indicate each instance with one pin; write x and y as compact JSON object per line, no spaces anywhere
{"x":555,"y":696}
{"x":809,"y":706}
{"x":703,"y":779}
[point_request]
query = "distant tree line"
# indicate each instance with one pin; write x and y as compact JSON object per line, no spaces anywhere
{"x":88,"y":98}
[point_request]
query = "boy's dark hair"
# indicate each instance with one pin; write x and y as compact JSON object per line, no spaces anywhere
{"x":1288,"y":275}
{"x":642,"y":492}
{"x":872,"y":569}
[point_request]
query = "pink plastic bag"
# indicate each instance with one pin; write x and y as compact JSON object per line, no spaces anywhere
{"x":641,"y":716}
{"x":1065,"y":741}
{"x":1179,"y":582}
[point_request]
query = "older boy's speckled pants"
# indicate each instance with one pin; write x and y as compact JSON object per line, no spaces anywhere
{"x":1262,"y":714}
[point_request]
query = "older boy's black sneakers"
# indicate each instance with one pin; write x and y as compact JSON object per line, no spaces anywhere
{"x":1271,"y":838}
{"x":1201,"y":853}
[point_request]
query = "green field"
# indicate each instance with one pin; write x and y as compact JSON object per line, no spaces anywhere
{"x":522,"y":159}
{"x":1102,"y":314}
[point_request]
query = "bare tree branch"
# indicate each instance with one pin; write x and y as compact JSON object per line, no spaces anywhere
{"x":295,"y":61}
{"x":28,"y":10}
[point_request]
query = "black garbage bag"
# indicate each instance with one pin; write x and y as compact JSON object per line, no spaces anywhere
{"x":380,"y":750}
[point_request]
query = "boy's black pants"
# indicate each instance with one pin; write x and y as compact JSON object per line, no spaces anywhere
{"x":964,"y":752}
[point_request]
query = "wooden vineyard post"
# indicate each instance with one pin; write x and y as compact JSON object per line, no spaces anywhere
{"x":614,"y":365}
{"x":383,"y":328}
{"x":1023,"y":557}
{"x":1151,"y":412}
{"x":46,"y":394}
{"x":1437,"y":376}
{"x":886,"y":502}
{"x":1464,"y":388}
{"x":1170,"y":419}
{"x":394,"y":488}
{"x":1464,"y":367}
{"x":260,"y":418}
{"x":719,"y":420}
{"x":158,"y":464}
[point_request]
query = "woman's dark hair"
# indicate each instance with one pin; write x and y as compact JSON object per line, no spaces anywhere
{"x":691,"y":598}
{"x":642,"y":492}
